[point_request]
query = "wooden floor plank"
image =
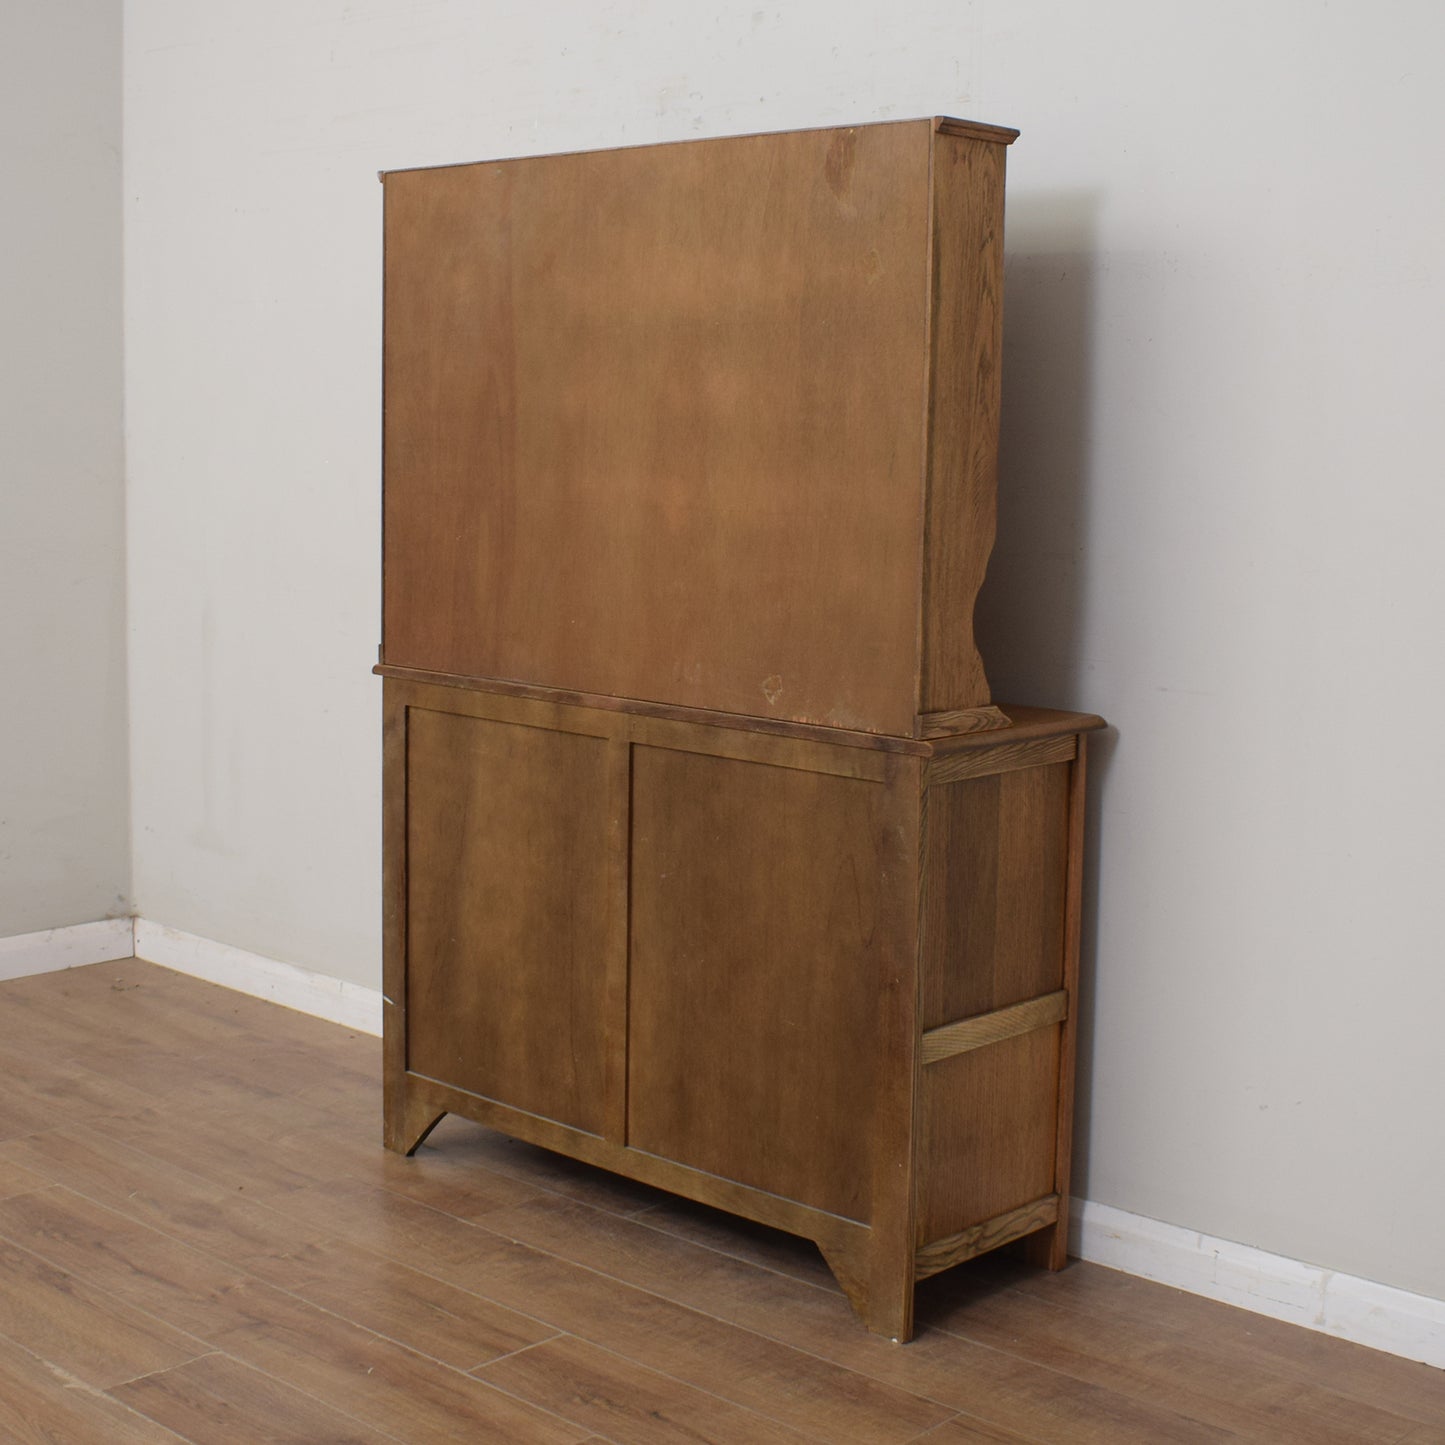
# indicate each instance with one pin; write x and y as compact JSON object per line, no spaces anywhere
{"x":627,"y":1402}
{"x":391,"y":1299}
{"x":15,"y":1180}
{"x":378,"y":1380}
{"x":42,"y":1405}
{"x":195,"y":1211}
{"x":461,"y":1145}
{"x":963,"y":1431}
{"x":85,"y":1332}
{"x":1308,"y":1357}
{"x":148,"y":1269}
{"x":273,"y":1331}
{"x":224,"y":1222}
{"x":1228,"y":1387}
{"x":40,"y":1095}
{"x":261,"y":1148}
{"x":782,"y":1383}
{"x":989,"y":1384}
{"x":219,"y":1401}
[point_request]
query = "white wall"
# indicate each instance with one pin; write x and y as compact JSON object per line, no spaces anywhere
{"x":64,"y":824}
{"x":1220,"y":523}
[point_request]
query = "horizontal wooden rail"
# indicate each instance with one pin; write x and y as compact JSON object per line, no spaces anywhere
{"x":993,"y":1028}
{"x":979,"y":1238}
{"x":984,"y":762}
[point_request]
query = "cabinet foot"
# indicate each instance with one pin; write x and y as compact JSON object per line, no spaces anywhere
{"x":881,"y":1295}
{"x":408,"y":1119}
{"x":1047,"y":1249}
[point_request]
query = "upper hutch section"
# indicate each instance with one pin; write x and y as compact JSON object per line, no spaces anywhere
{"x":710,"y":424}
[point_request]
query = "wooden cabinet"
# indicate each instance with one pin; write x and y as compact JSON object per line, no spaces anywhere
{"x":709,"y":859}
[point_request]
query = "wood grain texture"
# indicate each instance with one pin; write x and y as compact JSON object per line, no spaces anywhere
{"x":217,"y":1401}
{"x":15,"y":1180}
{"x":996,"y":876}
{"x":40,"y":1404}
{"x":594,"y":1387}
{"x":98,"y":1340}
{"x":965,"y":366}
{"x":680,"y":1316}
{"x":635,"y":707}
{"x":989,"y":1121}
{"x":1025,"y":724}
{"x":511,"y":912}
{"x":960,"y":720}
{"x":1005,"y":757}
{"x":755,"y":969}
{"x":758,"y":550}
{"x":765,"y":933}
{"x":1051,"y":1249}
{"x":988,"y":1234}
{"x":992,"y":1028}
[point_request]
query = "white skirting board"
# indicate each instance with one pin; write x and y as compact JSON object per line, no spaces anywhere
{"x":1359,"y":1310}
{"x":73,"y":947}
{"x":269,"y":978}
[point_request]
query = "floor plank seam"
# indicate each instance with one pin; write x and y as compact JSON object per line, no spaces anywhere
{"x":634,"y":1360}
{"x":512,"y":1354}
{"x":763,"y":1335}
{"x":207,"y":1347}
{"x":206,"y":1354}
{"x":288,"y":1385}
{"x":866,"y":1371}
{"x":73,"y":1382}
{"x":731,"y":1404}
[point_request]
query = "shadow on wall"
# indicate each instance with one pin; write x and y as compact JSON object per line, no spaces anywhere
{"x":1029,"y":618}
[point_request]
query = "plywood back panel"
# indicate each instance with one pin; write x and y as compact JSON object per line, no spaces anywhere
{"x":655,"y":422}
{"x":509,"y":912}
{"x":768,"y":928}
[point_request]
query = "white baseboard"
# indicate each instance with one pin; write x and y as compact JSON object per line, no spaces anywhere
{"x":252,"y":973}
{"x":74,"y":947}
{"x":1359,"y":1310}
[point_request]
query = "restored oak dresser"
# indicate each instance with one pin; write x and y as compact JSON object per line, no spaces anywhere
{"x":708,"y":857}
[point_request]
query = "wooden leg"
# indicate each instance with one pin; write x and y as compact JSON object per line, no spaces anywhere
{"x":878,"y":1283}
{"x":1049,"y":1248}
{"x":408,"y":1118}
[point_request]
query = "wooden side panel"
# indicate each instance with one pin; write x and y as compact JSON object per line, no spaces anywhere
{"x":997,"y":868}
{"x":988,"y":1127}
{"x":770,"y":961}
{"x":966,"y":362}
{"x":654,"y":422}
{"x":511,"y":911}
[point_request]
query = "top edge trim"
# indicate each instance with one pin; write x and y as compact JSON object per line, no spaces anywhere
{"x":948,"y":125}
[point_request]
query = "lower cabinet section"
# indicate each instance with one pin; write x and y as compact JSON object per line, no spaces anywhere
{"x":825,"y":985}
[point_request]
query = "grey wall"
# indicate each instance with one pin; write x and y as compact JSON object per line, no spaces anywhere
{"x":64,"y":813}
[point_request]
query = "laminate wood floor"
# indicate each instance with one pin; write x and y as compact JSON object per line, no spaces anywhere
{"x":202,"y":1239}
